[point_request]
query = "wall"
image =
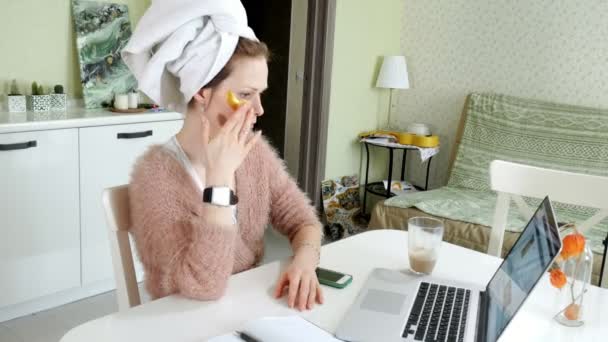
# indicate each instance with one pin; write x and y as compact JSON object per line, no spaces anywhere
{"x":364,"y":32}
{"x":543,"y":49}
{"x":38,"y":43}
{"x":295,"y":85}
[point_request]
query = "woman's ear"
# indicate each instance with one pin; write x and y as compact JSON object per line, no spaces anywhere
{"x":200,"y":100}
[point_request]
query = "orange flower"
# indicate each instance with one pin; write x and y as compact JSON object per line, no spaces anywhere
{"x":573,"y":245}
{"x":572,"y":311}
{"x":558,"y":278}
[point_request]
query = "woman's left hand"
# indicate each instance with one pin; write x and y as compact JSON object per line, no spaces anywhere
{"x":301,"y":279}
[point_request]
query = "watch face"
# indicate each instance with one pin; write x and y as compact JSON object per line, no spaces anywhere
{"x":221,"y":196}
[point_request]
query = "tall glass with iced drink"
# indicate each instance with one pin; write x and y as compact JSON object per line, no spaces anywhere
{"x":424,"y":239}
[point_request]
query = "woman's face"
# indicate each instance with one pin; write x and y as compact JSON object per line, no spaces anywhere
{"x":248,"y":80}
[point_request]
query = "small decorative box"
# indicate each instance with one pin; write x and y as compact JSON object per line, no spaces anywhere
{"x":58,"y":102}
{"x":17,"y":104}
{"x":39,"y":103}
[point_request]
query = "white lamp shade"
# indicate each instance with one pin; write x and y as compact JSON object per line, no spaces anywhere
{"x":393,"y":73}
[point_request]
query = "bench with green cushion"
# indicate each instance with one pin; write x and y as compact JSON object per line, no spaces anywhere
{"x":544,"y":134}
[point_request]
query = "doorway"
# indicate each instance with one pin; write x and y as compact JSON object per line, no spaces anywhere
{"x":297,"y":100}
{"x":271,"y":22}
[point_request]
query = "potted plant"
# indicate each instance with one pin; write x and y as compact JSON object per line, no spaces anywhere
{"x":39,"y":101}
{"x":16,"y":100}
{"x":58,"y":98}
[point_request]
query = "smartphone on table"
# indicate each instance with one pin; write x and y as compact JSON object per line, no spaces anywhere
{"x":333,"y":278}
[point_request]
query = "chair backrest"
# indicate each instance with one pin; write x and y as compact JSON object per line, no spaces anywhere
{"x":116,"y":206}
{"x":531,"y":132}
{"x":458,"y":137}
{"x":512,"y":181}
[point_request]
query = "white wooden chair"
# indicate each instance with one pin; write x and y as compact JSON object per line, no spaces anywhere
{"x":512,"y":181}
{"x":116,"y":205}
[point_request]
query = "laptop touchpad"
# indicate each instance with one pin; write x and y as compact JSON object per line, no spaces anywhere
{"x":383,"y":301}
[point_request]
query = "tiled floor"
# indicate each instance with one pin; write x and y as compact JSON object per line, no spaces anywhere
{"x":51,"y":325}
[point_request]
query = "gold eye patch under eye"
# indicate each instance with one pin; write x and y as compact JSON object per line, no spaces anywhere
{"x":234,"y":101}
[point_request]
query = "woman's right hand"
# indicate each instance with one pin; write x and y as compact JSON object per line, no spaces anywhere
{"x":223,"y":153}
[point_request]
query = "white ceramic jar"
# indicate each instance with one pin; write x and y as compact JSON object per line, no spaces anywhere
{"x":419,"y":129}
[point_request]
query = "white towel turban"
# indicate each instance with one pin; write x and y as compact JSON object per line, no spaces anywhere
{"x":180,"y":45}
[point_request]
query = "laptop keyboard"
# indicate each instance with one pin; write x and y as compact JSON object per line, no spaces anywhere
{"x":439,"y":314}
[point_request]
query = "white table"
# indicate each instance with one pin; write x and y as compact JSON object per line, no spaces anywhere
{"x":249,"y":296}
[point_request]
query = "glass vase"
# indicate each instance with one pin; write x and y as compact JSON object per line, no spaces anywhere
{"x":571,"y":297}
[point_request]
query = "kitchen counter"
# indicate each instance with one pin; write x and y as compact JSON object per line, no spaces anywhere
{"x":54,"y":167}
{"x":77,"y":117}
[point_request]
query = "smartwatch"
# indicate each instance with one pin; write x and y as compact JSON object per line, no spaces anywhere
{"x":221,"y":196}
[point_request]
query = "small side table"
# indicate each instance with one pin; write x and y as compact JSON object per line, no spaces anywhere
{"x":377,"y":188}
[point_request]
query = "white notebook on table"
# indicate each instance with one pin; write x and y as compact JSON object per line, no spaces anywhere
{"x":280,"y":329}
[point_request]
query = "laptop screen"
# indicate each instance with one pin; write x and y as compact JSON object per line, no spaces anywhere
{"x":521,"y":269}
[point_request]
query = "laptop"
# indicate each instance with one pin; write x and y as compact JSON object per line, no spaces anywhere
{"x":398,"y":306}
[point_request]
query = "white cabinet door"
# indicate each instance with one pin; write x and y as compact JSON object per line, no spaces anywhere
{"x":39,"y":227}
{"x":107,"y":155}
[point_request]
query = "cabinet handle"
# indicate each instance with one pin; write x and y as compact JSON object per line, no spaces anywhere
{"x":134,"y":135}
{"x":18,"y":146}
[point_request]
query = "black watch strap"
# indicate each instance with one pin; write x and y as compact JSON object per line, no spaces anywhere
{"x":208,"y":196}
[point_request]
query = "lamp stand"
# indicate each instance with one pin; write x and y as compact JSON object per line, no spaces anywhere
{"x":390,"y":106}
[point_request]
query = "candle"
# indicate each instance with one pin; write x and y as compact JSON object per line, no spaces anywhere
{"x":133,"y":100}
{"x":121,"y":101}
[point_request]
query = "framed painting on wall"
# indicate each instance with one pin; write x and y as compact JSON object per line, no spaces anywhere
{"x":102,"y":31}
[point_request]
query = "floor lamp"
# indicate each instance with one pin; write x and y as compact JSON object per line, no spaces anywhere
{"x":393,"y":75}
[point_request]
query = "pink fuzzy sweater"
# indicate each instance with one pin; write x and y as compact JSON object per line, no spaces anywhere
{"x":180,"y":250}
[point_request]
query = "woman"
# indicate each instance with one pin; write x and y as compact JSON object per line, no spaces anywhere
{"x":189,"y":234}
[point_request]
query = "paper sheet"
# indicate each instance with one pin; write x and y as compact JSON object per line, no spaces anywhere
{"x":280,"y":329}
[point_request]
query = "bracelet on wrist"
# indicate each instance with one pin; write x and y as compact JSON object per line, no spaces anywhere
{"x":310,"y":245}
